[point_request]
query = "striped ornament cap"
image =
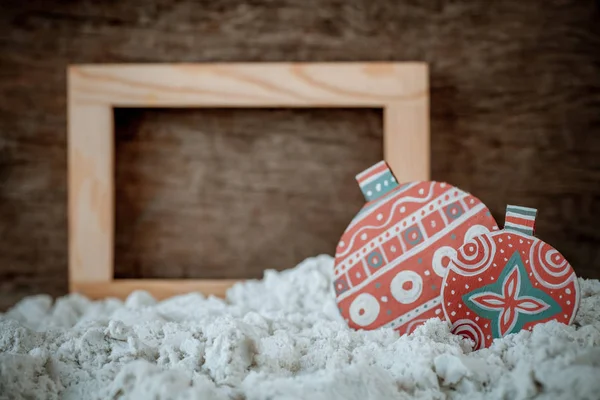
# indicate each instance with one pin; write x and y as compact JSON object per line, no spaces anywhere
{"x":506,"y":281}
{"x":520,"y":219}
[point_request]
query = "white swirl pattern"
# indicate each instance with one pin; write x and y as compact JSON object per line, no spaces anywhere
{"x":470,"y":330}
{"x":475,"y":256}
{"x":474,"y":231}
{"x":549,"y":267}
{"x":438,"y":258}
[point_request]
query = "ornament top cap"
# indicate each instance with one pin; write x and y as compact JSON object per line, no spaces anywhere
{"x":520,"y":219}
{"x":376,"y":181}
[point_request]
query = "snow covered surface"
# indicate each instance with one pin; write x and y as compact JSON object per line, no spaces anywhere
{"x":279,"y":338}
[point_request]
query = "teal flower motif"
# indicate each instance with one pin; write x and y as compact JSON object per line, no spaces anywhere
{"x":512,"y":301}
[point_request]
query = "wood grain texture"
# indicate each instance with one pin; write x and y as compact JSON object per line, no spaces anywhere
{"x":227,"y":193}
{"x":91,"y":188}
{"x":515,"y":94}
{"x":249,"y":84}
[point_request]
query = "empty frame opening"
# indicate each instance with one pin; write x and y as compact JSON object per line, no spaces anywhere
{"x":227,"y":193}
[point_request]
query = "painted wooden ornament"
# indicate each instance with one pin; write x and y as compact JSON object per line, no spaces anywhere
{"x":391,"y":259}
{"x":502,"y":282}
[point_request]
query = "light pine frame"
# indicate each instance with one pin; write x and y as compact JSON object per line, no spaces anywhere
{"x":401,"y":89}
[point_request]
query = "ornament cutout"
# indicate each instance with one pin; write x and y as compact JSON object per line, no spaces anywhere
{"x":391,"y":259}
{"x":505,"y":281}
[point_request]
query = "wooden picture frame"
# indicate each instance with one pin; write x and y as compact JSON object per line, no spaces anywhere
{"x":400,"y":89}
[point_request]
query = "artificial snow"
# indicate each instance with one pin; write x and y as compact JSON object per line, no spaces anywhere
{"x":279,"y":338}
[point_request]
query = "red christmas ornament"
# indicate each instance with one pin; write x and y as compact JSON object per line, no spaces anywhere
{"x":502,"y":282}
{"x":391,"y":259}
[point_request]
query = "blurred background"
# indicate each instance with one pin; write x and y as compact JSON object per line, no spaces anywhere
{"x":227,"y":193}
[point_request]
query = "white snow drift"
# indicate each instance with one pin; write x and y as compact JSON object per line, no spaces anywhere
{"x":279,"y":338}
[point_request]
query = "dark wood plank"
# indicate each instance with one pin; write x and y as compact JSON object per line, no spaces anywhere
{"x":228,"y":193}
{"x":515,"y":89}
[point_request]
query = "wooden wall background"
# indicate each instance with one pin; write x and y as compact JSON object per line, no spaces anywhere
{"x":515,"y":92}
